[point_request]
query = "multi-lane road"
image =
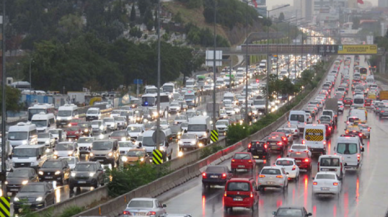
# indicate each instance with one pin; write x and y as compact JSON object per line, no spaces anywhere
{"x":364,"y":193}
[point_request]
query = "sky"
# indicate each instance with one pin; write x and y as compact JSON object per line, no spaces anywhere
{"x":271,"y":3}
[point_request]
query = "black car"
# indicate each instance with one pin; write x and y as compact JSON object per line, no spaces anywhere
{"x":215,"y":175}
{"x":85,"y":127}
{"x":87,"y":174}
{"x":37,"y":195}
{"x":55,"y":170}
{"x":258,"y":149}
{"x":383,"y":112}
{"x":20,"y":177}
{"x":291,"y":211}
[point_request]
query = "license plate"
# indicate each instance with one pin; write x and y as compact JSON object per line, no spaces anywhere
{"x":273,"y":143}
{"x":259,"y":151}
{"x":255,"y":156}
{"x":184,"y":149}
{"x":15,"y":189}
{"x":241,"y":166}
{"x":237,"y":199}
{"x":298,"y":161}
{"x":48,"y":177}
{"x":270,"y":183}
{"x":324,"y":189}
{"x":274,"y":147}
{"x":100,"y":160}
{"x":214,"y":177}
{"x":324,"y":169}
{"x":81,"y":182}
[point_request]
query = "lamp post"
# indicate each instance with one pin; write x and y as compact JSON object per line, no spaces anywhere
{"x":268,"y":56}
{"x":3,"y":109}
{"x":246,"y":67}
{"x":214,"y":65}
{"x":158,"y":83}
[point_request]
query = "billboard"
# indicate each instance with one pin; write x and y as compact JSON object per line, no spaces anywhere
{"x":357,"y":49}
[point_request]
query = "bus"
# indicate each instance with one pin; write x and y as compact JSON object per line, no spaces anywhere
{"x":150,"y":100}
{"x":38,"y":108}
{"x":364,"y":73}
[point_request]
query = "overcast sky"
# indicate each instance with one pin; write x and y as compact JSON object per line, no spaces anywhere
{"x":271,"y":3}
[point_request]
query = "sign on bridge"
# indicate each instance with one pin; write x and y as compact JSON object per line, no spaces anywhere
{"x":357,"y":49}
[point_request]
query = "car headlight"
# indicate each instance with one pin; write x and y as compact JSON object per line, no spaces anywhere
{"x":40,"y":172}
{"x":72,"y":174}
{"x":124,"y":159}
{"x":46,"y":142}
{"x":16,"y":199}
{"x":91,"y":174}
{"x":123,"y":139}
{"x":6,"y":182}
{"x":86,"y":130}
{"x":39,"y":198}
{"x":205,"y":134}
{"x":101,"y":127}
{"x":57,"y":172}
{"x":70,"y":152}
{"x":24,"y":182}
{"x":142,"y":159}
{"x":69,"y":125}
{"x":200,"y":144}
{"x":161,"y":148}
{"x":91,"y":154}
{"x":180,"y":154}
{"x":110,"y":154}
{"x":193,"y":142}
{"x":24,"y":143}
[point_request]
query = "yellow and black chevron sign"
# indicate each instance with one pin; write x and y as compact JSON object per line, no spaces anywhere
{"x":5,"y":206}
{"x":314,"y":135}
{"x":214,"y":135}
{"x":157,"y":157}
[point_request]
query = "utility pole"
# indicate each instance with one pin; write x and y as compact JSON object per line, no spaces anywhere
{"x":246,"y":67}
{"x":158,"y":84}
{"x":214,"y":65}
{"x":30,"y":75}
{"x":230,"y":75}
{"x":3,"y":109}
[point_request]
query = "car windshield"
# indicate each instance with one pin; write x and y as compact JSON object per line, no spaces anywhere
{"x":25,"y":152}
{"x":197,"y":127}
{"x":119,"y":118}
{"x":69,"y":160}
{"x":101,"y":145}
{"x":259,"y":102}
{"x":325,"y":176}
{"x":147,"y":141}
{"x":39,"y":123}
{"x":92,"y":111}
{"x":64,"y":113}
{"x":242,"y":156}
{"x":284,"y":162}
{"x":289,"y":212}
{"x":295,"y":117}
{"x":136,"y":153}
{"x":271,"y":172}
{"x":299,"y":155}
{"x":141,"y":204}
{"x":96,"y":123}
{"x":119,"y":134}
{"x":85,"y":140}
{"x":18,"y":173}
{"x":297,"y":147}
{"x":189,"y":136}
{"x":174,"y":104}
{"x":33,"y":188}
{"x":134,"y":129}
{"x":64,"y":146}
{"x":168,"y":88}
{"x":126,"y":144}
{"x":323,"y":118}
{"x":216,"y":169}
{"x":43,"y":135}
{"x":17,"y":135}
{"x":358,"y":101}
{"x":72,"y":129}
{"x":222,"y":122}
{"x":347,"y":148}
{"x":83,"y":125}
{"x":238,"y":186}
{"x":107,"y":120}
{"x":52,"y":164}
{"x":85,"y":167}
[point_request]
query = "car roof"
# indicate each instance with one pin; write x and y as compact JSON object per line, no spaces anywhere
{"x":240,"y":179}
{"x":326,"y":172}
{"x":285,"y":158}
{"x":144,"y":198}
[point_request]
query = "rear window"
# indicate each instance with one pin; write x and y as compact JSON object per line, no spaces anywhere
{"x":258,"y":144}
{"x":329,"y":162}
{"x":358,"y":101}
{"x":325,"y":176}
{"x":299,"y":155}
{"x":242,"y":156}
{"x":347,"y":148}
{"x":289,"y":212}
{"x":238,"y":186}
{"x":327,"y":113}
{"x":271,"y":171}
{"x":213,"y":169}
{"x":323,"y":118}
{"x":284,"y":163}
{"x":295,"y":117}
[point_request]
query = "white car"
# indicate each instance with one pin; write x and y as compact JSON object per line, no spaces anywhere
{"x":341,"y":106}
{"x":175,"y":107}
{"x":272,"y":176}
{"x":85,"y":144}
{"x":230,"y":111}
{"x":109,"y":123}
{"x":180,"y":119}
{"x":293,"y":128}
{"x":298,"y":147}
{"x":144,"y":207}
{"x":222,"y":126}
{"x":327,"y":183}
{"x":289,"y":165}
{"x":120,"y":121}
{"x":125,"y":146}
{"x":189,"y":142}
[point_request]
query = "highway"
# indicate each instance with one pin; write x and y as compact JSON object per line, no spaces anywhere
{"x":364,"y":193}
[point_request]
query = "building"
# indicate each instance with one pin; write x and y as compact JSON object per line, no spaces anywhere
{"x":305,"y":9}
{"x":382,"y":3}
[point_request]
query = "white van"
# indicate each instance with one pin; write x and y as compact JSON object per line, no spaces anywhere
{"x":150,"y":89}
{"x":230,"y":96}
{"x":30,"y":156}
{"x":93,"y":113}
{"x":220,"y":83}
{"x":314,"y":137}
{"x":66,"y":114}
{"x":200,"y":126}
{"x":169,"y":88}
{"x":191,"y":83}
{"x":358,"y":115}
{"x":149,"y":145}
{"x":331,"y":163}
{"x":22,"y":134}
{"x":38,"y":108}
{"x":350,"y":148}
{"x":43,"y":122}
{"x":358,"y":101}
{"x":298,"y":118}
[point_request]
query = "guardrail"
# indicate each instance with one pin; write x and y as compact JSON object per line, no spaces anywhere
{"x":186,"y":168}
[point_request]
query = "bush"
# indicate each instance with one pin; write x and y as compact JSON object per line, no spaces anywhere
{"x":72,"y":210}
{"x":209,"y":150}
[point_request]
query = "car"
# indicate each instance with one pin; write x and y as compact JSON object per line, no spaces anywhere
{"x":144,"y":207}
{"x":64,"y":149}
{"x":291,"y":212}
{"x":289,"y":166}
{"x":38,"y":195}
{"x":341,"y":107}
{"x":180,"y":119}
{"x":302,"y":159}
{"x":293,"y":128}
{"x":353,"y":129}
{"x":222,"y":126}
{"x":383,"y":112}
{"x":120,"y":122}
{"x":258,"y":149}
{"x":84,"y":145}
{"x":242,"y":160}
{"x":54,"y":170}
{"x":73,"y":132}
{"x":135,"y":155}
{"x":368,"y":102}
{"x":289,"y":134}
{"x":109,"y":123}
{"x":20,"y":177}
{"x":85,"y":128}
{"x":215,"y":175}
{"x":275,"y":143}
{"x":175,"y":107}
{"x":299,"y":147}
{"x":272,"y":176}
{"x":86,"y":174}
{"x":365,"y":130}
{"x":46,"y":139}
{"x":189,"y":142}
{"x":326,"y":183}
{"x":240,"y":192}
{"x":125,"y":146}
{"x":71,"y":161}
{"x":121,"y":135}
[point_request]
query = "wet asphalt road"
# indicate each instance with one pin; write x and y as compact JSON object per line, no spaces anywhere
{"x":364,"y":192}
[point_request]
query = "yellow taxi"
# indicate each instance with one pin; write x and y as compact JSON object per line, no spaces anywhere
{"x":353,"y":129}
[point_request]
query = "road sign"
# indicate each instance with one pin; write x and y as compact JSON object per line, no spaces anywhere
{"x":357,"y":49}
{"x":327,"y":49}
{"x":162,"y":136}
{"x":5,"y":206}
{"x":210,"y":58}
{"x":214,"y":135}
{"x":157,"y":157}
{"x":138,"y":81}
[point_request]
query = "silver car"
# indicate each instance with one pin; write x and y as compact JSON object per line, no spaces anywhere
{"x":144,"y":207}
{"x":272,"y":176}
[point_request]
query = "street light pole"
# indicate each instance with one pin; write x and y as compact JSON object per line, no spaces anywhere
{"x":158,"y":84}
{"x":214,"y":66}
{"x":30,"y":75}
{"x":3,"y":109}
{"x":246,"y":67}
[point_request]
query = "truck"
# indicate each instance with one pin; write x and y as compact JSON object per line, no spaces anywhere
{"x":209,"y":110}
{"x":383,"y":95}
{"x":331,"y":109}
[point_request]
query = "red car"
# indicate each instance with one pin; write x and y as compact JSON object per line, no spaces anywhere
{"x":368,"y":102}
{"x":329,"y":130}
{"x":348,"y":101}
{"x":282,"y":135}
{"x":73,"y":132}
{"x":242,"y":160}
{"x":75,"y":122}
{"x":241,"y":192}
{"x":302,"y":159}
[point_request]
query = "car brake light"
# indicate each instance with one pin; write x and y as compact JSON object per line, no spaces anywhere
{"x":223,"y":175}
{"x":126,"y":213}
{"x":265,"y":146}
{"x":335,"y":183}
{"x":382,"y":111}
{"x":280,"y":176}
{"x":250,"y":161}
{"x":280,"y":143}
{"x":368,"y":129}
{"x":296,"y":131}
{"x":358,"y":157}
{"x":346,"y":131}
{"x":225,"y":194}
{"x":261,"y":176}
{"x":324,"y":142}
{"x":315,"y":183}
{"x":204,"y":175}
{"x":360,"y":134}
{"x":233,"y":161}
{"x":294,"y":167}
{"x":318,"y":166}
{"x":303,"y":142}
{"x":249,"y":145}
{"x":151,"y":213}
{"x":291,"y":150}
{"x":251,"y":195}
{"x":306,"y":160}
{"x":330,"y":128}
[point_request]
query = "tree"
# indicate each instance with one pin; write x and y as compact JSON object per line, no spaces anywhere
{"x":178,"y":18}
{"x":149,"y":20}
{"x":133,"y":14}
{"x":281,"y":17}
{"x":12,"y":99}
{"x":143,"y":5}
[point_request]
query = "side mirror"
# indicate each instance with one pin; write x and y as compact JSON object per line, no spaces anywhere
{"x":185,"y":131}
{"x":39,"y":156}
{"x":288,"y":155}
{"x":140,"y":145}
{"x":48,"y":192}
{"x":362,"y":149}
{"x":309,"y":214}
{"x":340,"y":178}
{"x":274,"y":213}
{"x":312,"y":178}
{"x":10,"y":156}
{"x":166,"y":144}
{"x":334,"y":148}
{"x":164,"y":205}
{"x":273,"y":164}
{"x":288,"y":173}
